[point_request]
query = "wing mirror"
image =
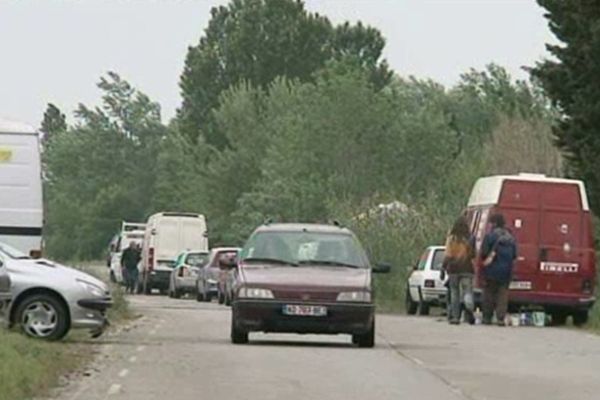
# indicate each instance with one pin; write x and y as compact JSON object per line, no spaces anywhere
{"x":382,"y":268}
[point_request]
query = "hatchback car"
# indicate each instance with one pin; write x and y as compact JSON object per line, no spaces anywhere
{"x":226,"y":276}
{"x":304,"y":278}
{"x":49,"y":299}
{"x":185,"y":273}
{"x":425,"y":288}
{"x":207,"y":283}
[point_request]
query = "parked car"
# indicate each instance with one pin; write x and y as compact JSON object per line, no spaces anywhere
{"x":5,"y":294}
{"x":130,"y":232}
{"x":424,"y":287}
{"x":552,"y":223}
{"x":167,"y":235}
{"x":21,"y":202}
{"x":207,"y":283}
{"x":185,"y":273}
{"x":49,"y":299}
{"x":304,"y":278}
{"x":226,"y":276}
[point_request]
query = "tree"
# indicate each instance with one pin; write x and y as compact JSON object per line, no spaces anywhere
{"x":571,"y":82}
{"x":53,"y":123}
{"x":255,"y":41}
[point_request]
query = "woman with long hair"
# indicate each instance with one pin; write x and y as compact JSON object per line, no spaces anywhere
{"x":458,"y":264}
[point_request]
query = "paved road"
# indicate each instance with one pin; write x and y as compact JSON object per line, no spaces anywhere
{"x":180,"y":350}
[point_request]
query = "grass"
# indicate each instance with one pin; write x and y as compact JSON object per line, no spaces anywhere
{"x":30,"y":367}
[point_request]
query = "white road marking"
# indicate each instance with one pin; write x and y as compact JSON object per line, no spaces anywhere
{"x":123,"y":373}
{"x":417,"y":361}
{"x":114,"y":389}
{"x":132,"y":359}
{"x":141,"y":348}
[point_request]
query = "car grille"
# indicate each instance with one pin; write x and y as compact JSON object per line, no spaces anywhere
{"x":300,"y":295}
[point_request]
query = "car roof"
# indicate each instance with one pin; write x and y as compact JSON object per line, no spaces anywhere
{"x":194,"y":251}
{"x":437,"y":247}
{"x":303,"y":227}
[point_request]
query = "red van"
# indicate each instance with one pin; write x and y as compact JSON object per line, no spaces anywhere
{"x":551,"y":221}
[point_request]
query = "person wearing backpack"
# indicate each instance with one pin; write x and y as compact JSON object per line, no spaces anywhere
{"x":498,"y":252}
{"x":458,"y":263}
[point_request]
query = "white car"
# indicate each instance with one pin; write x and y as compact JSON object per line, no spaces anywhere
{"x":425,"y":288}
{"x":185,"y":273}
{"x":130,"y":232}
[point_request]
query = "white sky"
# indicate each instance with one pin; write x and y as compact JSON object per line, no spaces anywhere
{"x":55,"y":51}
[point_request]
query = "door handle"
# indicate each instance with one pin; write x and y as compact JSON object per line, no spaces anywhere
{"x":543,"y":254}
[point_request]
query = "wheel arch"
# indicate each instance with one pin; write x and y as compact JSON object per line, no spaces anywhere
{"x":34,"y":291}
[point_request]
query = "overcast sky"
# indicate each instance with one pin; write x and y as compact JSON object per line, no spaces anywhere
{"x":55,"y":51}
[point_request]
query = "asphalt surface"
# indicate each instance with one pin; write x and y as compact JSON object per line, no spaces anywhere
{"x":180,"y":349}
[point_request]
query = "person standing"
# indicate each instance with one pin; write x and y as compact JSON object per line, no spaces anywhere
{"x":129,"y":262}
{"x":498,"y":252}
{"x":458,"y":263}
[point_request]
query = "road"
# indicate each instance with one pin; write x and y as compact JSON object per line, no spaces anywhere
{"x":180,"y":350}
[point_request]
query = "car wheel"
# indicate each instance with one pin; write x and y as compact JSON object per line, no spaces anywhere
{"x":237,"y":335}
{"x":559,"y":318}
{"x":423,"y":308}
{"x":43,"y":316}
{"x":221,"y":298}
{"x":366,"y":340}
{"x":177,"y":293}
{"x":410,"y":305}
{"x":199,"y":294}
{"x":580,"y":318}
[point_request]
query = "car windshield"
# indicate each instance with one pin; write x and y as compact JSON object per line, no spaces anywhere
{"x":11,"y":252}
{"x":196,"y":259}
{"x":305,"y":248}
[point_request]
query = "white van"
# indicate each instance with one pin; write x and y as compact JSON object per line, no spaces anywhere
{"x":167,"y":235}
{"x":21,"y":208}
{"x":130,"y":232}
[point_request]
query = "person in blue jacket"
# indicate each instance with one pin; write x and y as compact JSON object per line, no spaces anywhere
{"x":498,"y":252}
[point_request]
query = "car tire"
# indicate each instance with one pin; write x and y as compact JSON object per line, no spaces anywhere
{"x":365,"y":340}
{"x":580,"y":318}
{"x":409,"y":304}
{"x":32,"y":307}
{"x":237,"y":335}
{"x":423,"y":308}
{"x":221,"y":298}
{"x":208,"y":297}
{"x":559,"y":318}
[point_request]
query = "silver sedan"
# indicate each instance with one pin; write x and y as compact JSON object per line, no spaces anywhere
{"x":49,"y":299}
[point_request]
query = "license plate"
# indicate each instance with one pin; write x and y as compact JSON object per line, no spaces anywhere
{"x":305,"y":311}
{"x":559,"y":267}
{"x":520,"y":285}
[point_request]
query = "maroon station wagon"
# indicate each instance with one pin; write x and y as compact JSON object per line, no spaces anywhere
{"x":304,"y":278}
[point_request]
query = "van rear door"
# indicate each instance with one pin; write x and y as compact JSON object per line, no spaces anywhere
{"x":193,"y":234}
{"x":561,"y":253}
{"x":519,"y":203}
{"x":167,"y":240}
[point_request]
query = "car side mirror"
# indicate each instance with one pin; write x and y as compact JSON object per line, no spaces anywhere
{"x":35,"y":254}
{"x":382,"y":268}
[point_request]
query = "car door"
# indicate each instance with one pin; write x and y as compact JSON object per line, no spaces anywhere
{"x":415,"y":281}
{"x":5,"y":293}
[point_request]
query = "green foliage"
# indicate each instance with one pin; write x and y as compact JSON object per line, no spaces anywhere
{"x":256,"y":41}
{"x":53,"y":123}
{"x":570,"y":80}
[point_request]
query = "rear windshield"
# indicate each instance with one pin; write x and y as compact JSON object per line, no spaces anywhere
{"x":438,"y":259}
{"x":196,"y":259}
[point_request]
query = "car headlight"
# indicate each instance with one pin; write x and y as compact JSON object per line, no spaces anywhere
{"x":361,"y":296}
{"x":255,"y":293}
{"x":91,"y":288}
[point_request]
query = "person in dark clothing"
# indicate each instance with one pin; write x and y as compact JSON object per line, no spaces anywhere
{"x":498,"y":252}
{"x":458,"y":263}
{"x":129,"y":263}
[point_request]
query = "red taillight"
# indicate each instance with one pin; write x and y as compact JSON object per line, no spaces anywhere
{"x":429,"y":283}
{"x":151,"y":258}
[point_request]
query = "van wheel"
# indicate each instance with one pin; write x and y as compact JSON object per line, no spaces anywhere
{"x":559,"y":318}
{"x":409,"y":305}
{"x":580,"y":318}
{"x":43,"y":316}
{"x":199,"y":296}
{"x":365,"y":340}
{"x":237,"y":335}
